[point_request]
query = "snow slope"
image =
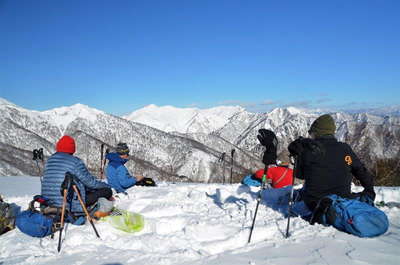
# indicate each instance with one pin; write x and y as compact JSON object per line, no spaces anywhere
{"x":198,"y":224}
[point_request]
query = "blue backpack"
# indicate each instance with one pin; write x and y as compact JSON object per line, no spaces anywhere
{"x":34,"y":223}
{"x":43,"y":222}
{"x":355,"y":216}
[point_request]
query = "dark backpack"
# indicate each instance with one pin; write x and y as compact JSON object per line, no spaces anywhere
{"x":355,"y":216}
{"x":7,"y":216}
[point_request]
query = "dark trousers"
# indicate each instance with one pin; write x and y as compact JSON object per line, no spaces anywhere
{"x":93,"y":196}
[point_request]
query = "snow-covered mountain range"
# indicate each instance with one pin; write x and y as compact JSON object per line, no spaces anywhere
{"x":168,"y":142}
{"x":154,"y":153}
{"x":371,"y":135}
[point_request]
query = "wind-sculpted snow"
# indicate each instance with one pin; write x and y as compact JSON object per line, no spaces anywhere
{"x":198,"y":224}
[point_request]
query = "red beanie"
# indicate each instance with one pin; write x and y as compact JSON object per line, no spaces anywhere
{"x":66,"y":145}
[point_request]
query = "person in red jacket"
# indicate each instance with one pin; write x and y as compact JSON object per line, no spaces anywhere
{"x":279,"y":175}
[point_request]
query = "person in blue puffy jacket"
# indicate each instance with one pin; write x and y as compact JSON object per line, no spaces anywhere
{"x":117,"y":174}
{"x":54,"y":174}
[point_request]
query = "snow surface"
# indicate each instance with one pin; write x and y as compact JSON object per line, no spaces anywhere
{"x":198,"y":224}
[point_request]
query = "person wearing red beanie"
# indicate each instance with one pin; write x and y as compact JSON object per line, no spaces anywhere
{"x":66,"y":145}
{"x":64,"y":161}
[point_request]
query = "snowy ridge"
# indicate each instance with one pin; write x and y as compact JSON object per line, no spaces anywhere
{"x":184,"y":120}
{"x":198,"y":224}
{"x":383,"y":111}
{"x":4,"y":102}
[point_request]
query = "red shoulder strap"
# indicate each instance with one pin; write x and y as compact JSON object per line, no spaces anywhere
{"x":281,"y":177}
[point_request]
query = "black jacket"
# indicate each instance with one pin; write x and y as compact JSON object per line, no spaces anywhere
{"x":327,"y":167}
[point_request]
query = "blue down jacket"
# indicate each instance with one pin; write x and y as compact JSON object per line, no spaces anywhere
{"x":117,"y":175}
{"x":54,"y":174}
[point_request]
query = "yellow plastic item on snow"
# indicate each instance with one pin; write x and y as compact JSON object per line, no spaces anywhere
{"x":129,"y":222}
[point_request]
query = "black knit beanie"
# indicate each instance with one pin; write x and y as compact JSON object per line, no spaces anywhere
{"x":122,"y":149}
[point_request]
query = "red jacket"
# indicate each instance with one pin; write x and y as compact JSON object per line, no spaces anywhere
{"x":280,"y":176}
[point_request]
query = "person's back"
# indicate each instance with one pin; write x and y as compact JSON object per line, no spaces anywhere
{"x":327,"y":172}
{"x":56,"y":167}
{"x":54,"y":174}
{"x":327,"y":165}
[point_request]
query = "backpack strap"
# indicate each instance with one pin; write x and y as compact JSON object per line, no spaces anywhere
{"x":281,"y":177}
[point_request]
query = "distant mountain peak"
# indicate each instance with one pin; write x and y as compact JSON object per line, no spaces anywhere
{"x":184,"y":120}
{"x":77,"y":109}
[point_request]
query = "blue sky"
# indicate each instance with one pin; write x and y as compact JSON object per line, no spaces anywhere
{"x":118,"y":56}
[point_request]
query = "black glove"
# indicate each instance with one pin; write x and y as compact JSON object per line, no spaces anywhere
{"x":267,"y":138}
{"x":365,"y":193}
{"x":146,"y":182}
{"x":269,"y":156}
{"x":370,"y":193}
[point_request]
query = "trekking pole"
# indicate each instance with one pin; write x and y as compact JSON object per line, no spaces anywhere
{"x":103,"y":162}
{"x":232,"y":154}
{"x":37,"y":156}
{"x":264,"y":180}
{"x":85,"y":210}
{"x":296,"y":160}
{"x":62,"y":218}
{"x":101,"y":159}
{"x":223,"y":168}
{"x":41,"y":158}
{"x":222,"y":159}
